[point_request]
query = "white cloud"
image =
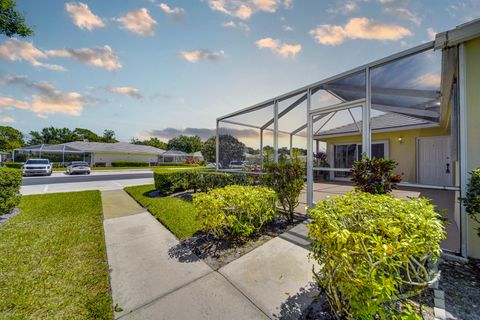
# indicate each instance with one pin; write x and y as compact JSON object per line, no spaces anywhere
{"x":102,"y":57}
{"x":358,"y":28}
{"x":404,"y":13}
{"x":173,"y":12}
{"x":7,"y":119}
{"x":139,"y":22}
{"x":431,"y":80}
{"x":282,"y":49}
{"x":196,"y":55}
{"x":16,"y":50}
{"x":82,"y":16}
{"x":10,"y":102}
{"x":47,"y":99}
{"x":132,"y":92}
{"x":287,"y":28}
{"x":431,"y":33}
{"x":244,"y":9}
{"x":343,"y":7}
{"x":236,"y":25}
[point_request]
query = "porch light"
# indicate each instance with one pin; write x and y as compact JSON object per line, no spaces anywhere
{"x":400,"y":139}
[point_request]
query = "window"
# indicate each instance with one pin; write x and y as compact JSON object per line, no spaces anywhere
{"x":346,"y":154}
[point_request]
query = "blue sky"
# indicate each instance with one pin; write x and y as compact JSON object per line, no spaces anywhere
{"x":144,"y":67}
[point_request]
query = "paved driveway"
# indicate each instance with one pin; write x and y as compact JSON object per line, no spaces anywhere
{"x":97,"y":180}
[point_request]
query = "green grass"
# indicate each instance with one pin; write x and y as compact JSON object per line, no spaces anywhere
{"x":176,"y":214}
{"x":53,"y":262}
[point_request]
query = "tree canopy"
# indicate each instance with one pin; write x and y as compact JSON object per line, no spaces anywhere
{"x":52,"y":135}
{"x":153,"y":142}
{"x":12,"y":22}
{"x":10,"y":138}
{"x":186,"y":144}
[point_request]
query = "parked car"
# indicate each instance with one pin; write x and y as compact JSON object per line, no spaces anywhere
{"x":37,"y":167}
{"x":238,"y":164}
{"x":213,"y":166}
{"x":78,"y":167}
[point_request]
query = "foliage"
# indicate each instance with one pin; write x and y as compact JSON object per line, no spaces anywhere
{"x":192,"y":160}
{"x":171,"y":181}
{"x":14,"y":165}
{"x":176,"y":164}
{"x":177,"y":215}
{"x":10,"y":139}
{"x":236,"y":211}
{"x":209,"y":149}
{"x":52,"y":135}
{"x":188,"y":144}
{"x":12,"y":22}
{"x":268,"y":153}
{"x":53,"y":261}
{"x":472,"y":197}
{"x":374,"y":249}
{"x":287,"y":181}
{"x":375,"y":175}
{"x":10,"y":183}
{"x":231,"y":149}
{"x":120,"y":163}
{"x":153,"y":142}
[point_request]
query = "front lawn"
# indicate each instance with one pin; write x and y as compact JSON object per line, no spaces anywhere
{"x":53,"y":262}
{"x":176,"y":214}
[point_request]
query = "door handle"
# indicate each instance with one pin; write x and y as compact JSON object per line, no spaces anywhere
{"x":448,"y":168}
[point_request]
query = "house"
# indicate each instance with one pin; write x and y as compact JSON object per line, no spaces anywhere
{"x":4,"y":156}
{"x":174,"y":156}
{"x":96,"y":153}
{"x":419,"y":107}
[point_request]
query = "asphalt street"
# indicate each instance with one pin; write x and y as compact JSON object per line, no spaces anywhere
{"x":58,"y":177}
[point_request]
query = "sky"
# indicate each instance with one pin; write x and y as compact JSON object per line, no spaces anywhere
{"x":166,"y":67}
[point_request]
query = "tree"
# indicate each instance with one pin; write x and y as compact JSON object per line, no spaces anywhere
{"x":10,"y":138}
{"x":85,"y":134}
{"x":210,"y":149}
{"x":52,"y":135}
{"x":268,"y":153}
{"x":11,"y":21}
{"x":153,"y":142}
{"x":109,"y":136}
{"x":188,"y":144}
{"x":230,"y":150}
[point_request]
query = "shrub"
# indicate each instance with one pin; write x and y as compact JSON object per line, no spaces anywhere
{"x":170,"y":181}
{"x":192,"y":160}
{"x":374,"y":250}
{"x":10,"y":183}
{"x":375,"y":175}
{"x":121,"y":163}
{"x":472,"y":198}
{"x":287,"y":181}
{"x":176,"y":164}
{"x":236,"y":211}
{"x":14,"y":165}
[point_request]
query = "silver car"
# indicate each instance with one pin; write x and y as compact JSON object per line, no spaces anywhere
{"x":78,"y":167}
{"x":37,"y":167}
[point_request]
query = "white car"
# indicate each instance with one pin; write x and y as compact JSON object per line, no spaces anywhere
{"x":213,"y":166}
{"x":238,"y":164}
{"x":37,"y":167}
{"x":78,"y":167}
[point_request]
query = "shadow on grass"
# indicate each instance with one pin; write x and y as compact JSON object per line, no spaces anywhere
{"x":306,"y":304}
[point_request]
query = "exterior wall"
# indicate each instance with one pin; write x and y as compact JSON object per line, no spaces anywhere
{"x":109,"y":157}
{"x":404,"y":153}
{"x":472,"y":51}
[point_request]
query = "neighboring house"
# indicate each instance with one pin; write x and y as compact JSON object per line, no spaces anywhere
{"x":96,"y":153}
{"x":198,"y":155}
{"x":174,"y":156}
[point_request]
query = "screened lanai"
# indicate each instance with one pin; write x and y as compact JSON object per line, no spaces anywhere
{"x":54,"y":152}
{"x":403,"y":107}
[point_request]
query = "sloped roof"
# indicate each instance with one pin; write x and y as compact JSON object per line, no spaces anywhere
{"x":390,"y":121}
{"x":175,"y":153}
{"x":119,"y":147}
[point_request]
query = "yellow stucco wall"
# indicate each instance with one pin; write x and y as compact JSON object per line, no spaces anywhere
{"x":404,"y":153}
{"x":472,"y":51}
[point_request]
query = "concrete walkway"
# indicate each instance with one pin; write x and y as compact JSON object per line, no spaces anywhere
{"x":271,"y":281}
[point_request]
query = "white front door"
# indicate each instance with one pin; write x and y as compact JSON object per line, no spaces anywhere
{"x":434,"y":162}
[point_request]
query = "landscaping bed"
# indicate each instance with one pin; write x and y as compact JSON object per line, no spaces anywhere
{"x":53,"y":261}
{"x":177,"y":213}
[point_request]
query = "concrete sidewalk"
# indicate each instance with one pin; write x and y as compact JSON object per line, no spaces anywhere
{"x":149,"y":284}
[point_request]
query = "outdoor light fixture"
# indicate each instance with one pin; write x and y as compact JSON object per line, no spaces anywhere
{"x":400,"y":139}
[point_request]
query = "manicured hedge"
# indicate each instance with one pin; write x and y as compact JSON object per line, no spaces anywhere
{"x":171,"y":181}
{"x":176,"y":164}
{"x":10,"y":183}
{"x":374,"y":250}
{"x":235,"y":211}
{"x":15,"y":165}
{"x":130,"y":164}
